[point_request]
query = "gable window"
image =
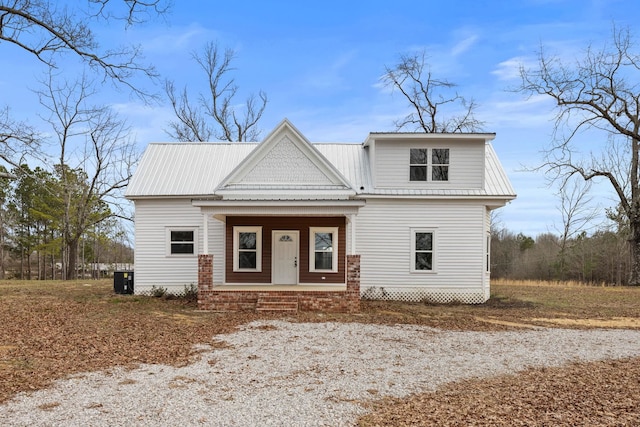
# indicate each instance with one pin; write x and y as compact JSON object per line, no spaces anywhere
{"x":323,"y":249}
{"x":419,"y":165}
{"x":181,"y":241}
{"x":422,"y":250}
{"x":440,"y":164}
{"x":247,"y":249}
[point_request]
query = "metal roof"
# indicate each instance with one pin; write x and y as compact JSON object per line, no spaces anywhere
{"x":185,"y":169}
{"x":197,"y":169}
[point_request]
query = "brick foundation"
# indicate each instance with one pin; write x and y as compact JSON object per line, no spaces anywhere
{"x":209,"y":298}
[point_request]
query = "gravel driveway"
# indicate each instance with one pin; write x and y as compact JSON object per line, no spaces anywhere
{"x":277,"y":373}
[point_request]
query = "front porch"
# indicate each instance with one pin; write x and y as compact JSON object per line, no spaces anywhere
{"x":270,"y":298}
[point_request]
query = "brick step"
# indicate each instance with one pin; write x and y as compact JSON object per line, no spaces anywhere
{"x":284,"y":303}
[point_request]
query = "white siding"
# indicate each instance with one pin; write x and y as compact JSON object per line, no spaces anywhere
{"x":466,"y":164}
{"x":153,"y":265}
{"x":384,"y":243}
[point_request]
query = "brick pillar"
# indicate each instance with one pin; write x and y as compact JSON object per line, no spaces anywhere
{"x":205,"y":278}
{"x":353,"y":273}
{"x":353,"y":282}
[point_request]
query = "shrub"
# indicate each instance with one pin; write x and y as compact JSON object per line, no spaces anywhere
{"x":157,"y":291}
{"x":190,"y":293}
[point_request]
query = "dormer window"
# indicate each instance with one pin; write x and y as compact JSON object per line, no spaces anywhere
{"x":419,"y":164}
{"x":440,"y":164}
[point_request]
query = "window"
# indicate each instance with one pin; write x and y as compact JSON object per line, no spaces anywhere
{"x":422,"y":253}
{"x":247,"y":249}
{"x":323,"y":249}
{"x":440,"y":164}
{"x":419,"y":164}
{"x":181,"y":241}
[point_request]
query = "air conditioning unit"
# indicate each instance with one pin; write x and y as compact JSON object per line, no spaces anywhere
{"x":123,"y":282}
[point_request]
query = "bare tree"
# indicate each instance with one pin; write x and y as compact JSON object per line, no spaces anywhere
{"x":94,"y":161}
{"x":599,"y":91}
{"x":577,"y":215}
{"x":16,"y":139}
{"x":215,"y":115}
{"x":436,"y":106}
{"x":47,"y":30}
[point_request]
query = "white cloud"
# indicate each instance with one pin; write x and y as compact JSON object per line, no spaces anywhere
{"x":510,"y":69}
{"x":147,"y":123}
{"x":331,"y":76}
{"x":178,"y":39}
{"x":518,"y":112}
{"x":464,"y":45}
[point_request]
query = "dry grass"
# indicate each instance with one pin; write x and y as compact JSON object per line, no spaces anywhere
{"x":588,"y":394}
{"x":54,"y":329}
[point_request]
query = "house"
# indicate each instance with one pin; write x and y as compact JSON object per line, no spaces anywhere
{"x":286,"y":224}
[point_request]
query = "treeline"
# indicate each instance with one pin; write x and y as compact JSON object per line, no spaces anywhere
{"x":602,"y":257}
{"x":52,"y":228}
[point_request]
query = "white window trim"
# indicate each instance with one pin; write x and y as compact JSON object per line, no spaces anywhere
{"x":434,"y":241}
{"x":312,"y":249}
{"x":168,"y":231}
{"x":236,"y":233}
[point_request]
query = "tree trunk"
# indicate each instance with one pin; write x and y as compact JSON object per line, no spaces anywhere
{"x":634,"y":248}
{"x":634,"y":213}
{"x":72,"y":251}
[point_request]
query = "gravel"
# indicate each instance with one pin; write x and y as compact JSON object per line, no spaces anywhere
{"x":277,"y":373}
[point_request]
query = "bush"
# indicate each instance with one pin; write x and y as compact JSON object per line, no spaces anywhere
{"x":190,"y":293}
{"x":158,"y":291}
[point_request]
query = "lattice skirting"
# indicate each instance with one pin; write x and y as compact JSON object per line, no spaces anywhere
{"x":158,"y":290}
{"x":435,"y":296}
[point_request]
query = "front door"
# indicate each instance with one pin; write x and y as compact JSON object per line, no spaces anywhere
{"x":284,"y":267}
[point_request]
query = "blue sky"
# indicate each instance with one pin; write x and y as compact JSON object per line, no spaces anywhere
{"x":320,"y":64}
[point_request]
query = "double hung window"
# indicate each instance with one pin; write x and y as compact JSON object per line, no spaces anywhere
{"x":440,"y":164}
{"x":418,"y":164}
{"x":323,"y":249}
{"x":181,"y":241}
{"x":422,"y":250}
{"x":247,"y":249}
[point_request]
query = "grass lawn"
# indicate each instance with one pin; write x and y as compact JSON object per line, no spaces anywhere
{"x":53,"y":329}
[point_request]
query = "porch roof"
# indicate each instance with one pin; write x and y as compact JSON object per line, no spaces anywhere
{"x":220,"y":209}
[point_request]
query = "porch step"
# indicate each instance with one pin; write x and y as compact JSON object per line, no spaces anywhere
{"x":277,"y":303}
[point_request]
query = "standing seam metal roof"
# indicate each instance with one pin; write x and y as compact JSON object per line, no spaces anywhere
{"x":196,"y":169}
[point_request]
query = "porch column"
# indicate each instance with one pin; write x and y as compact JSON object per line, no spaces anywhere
{"x":352,"y":233}
{"x":205,"y":232}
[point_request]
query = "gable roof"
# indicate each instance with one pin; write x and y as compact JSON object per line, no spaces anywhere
{"x":285,"y":163}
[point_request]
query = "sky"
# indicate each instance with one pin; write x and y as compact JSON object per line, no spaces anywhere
{"x":320,"y":64}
